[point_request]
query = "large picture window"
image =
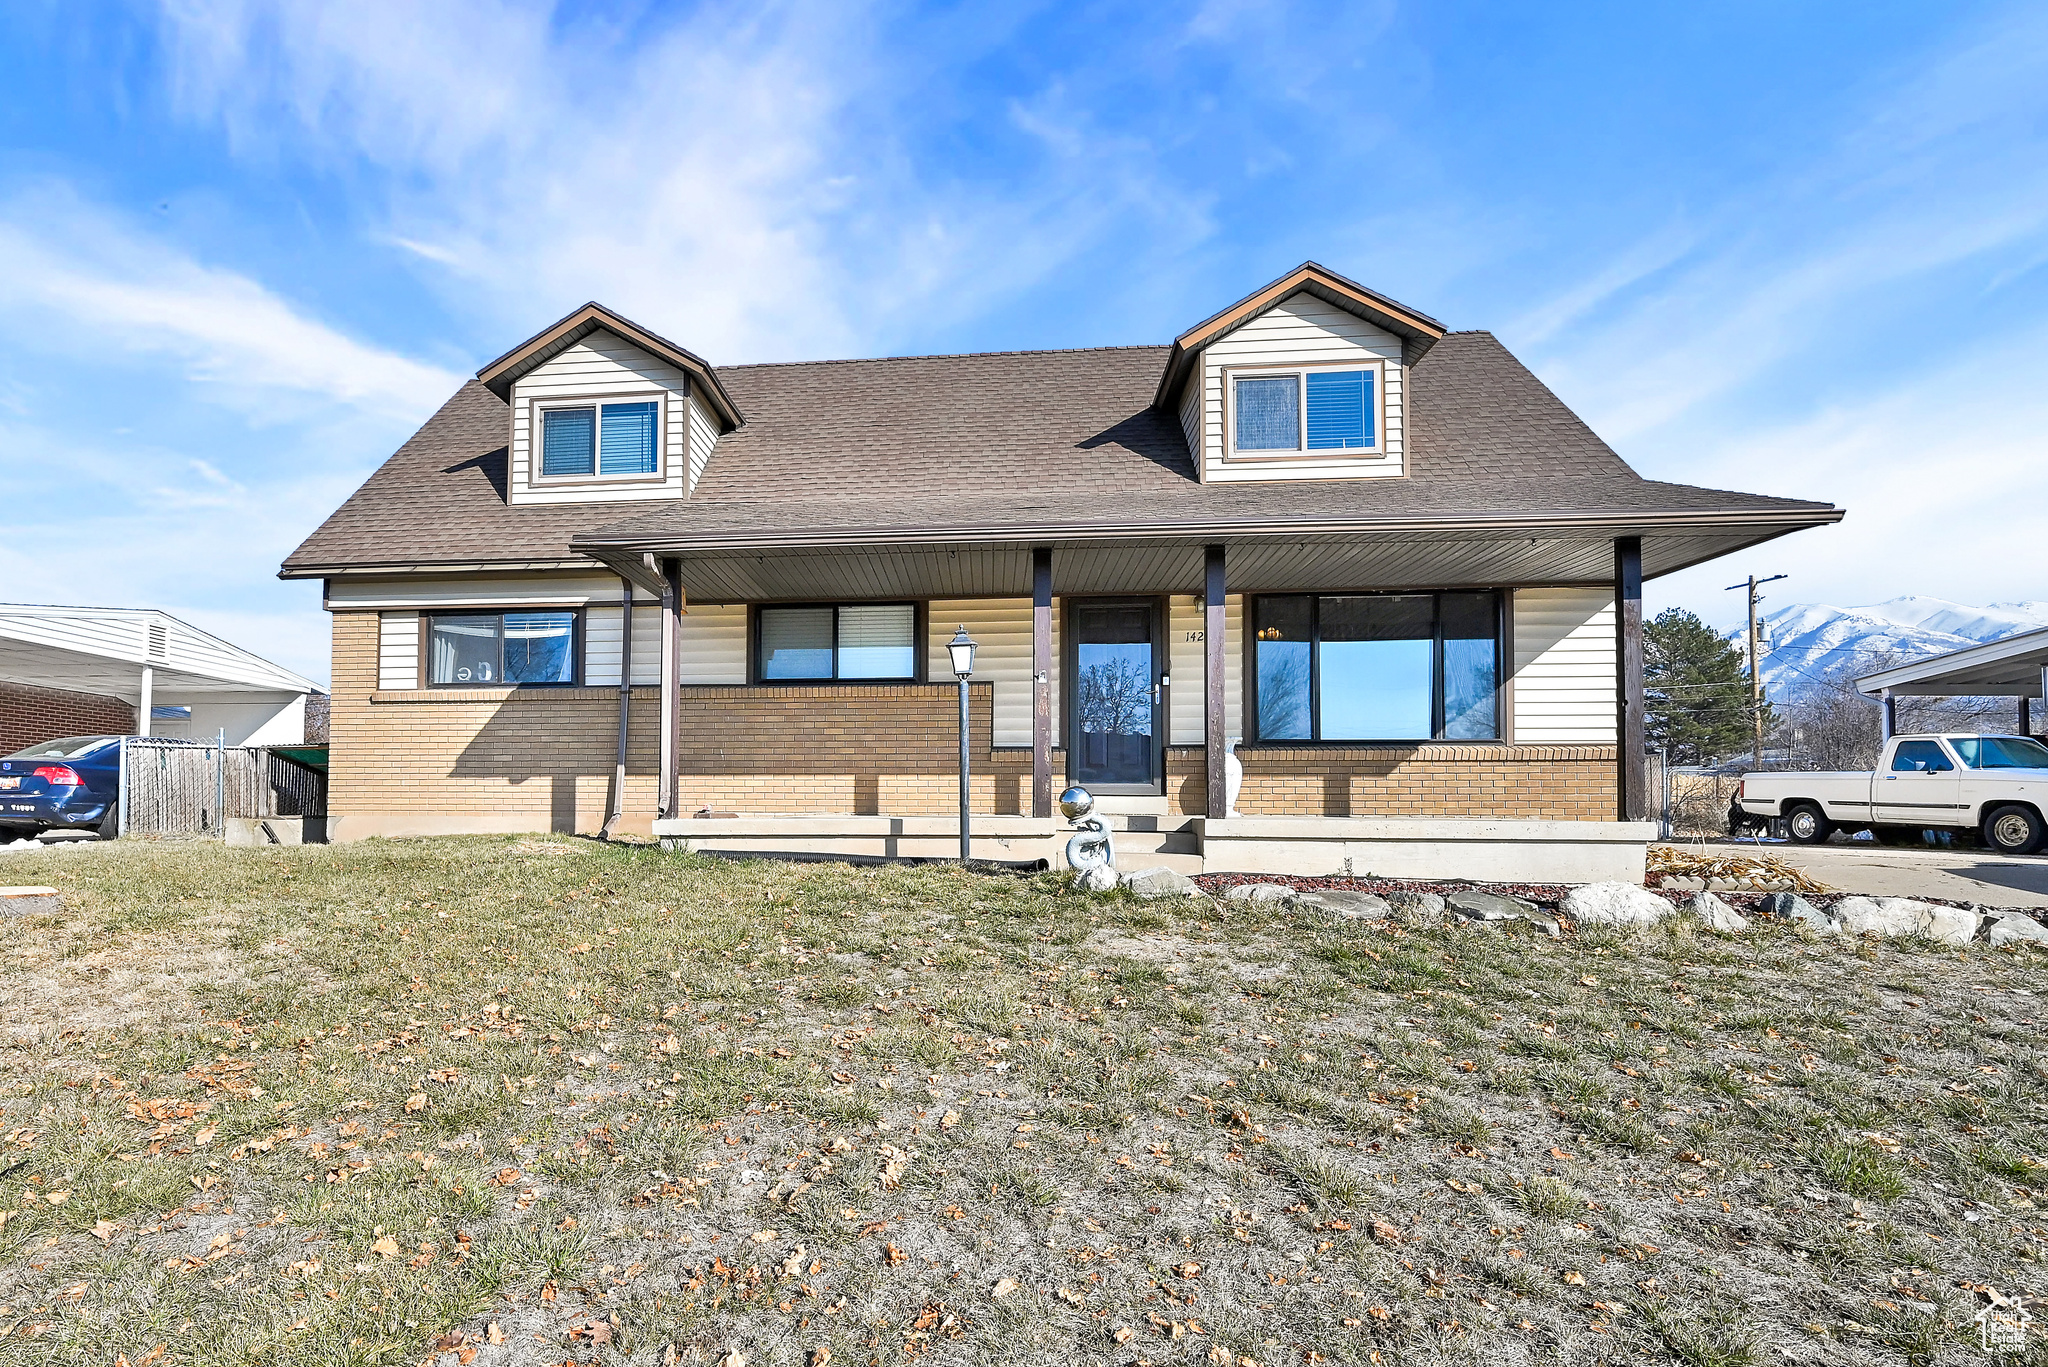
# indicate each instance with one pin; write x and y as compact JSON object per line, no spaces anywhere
{"x":495,"y":649}
{"x":1316,"y":411}
{"x":1379,"y":666}
{"x":844,"y":641}
{"x":606,"y":439}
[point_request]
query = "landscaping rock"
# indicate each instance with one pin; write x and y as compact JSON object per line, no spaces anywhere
{"x":1796,"y":908}
{"x":1486,"y":908}
{"x":1880,"y":915}
{"x":1422,"y":910}
{"x":1614,"y":904}
{"x":1951,"y":925}
{"x":1345,"y":905}
{"x":1716,"y":913}
{"x":1904,"y":916}
{"x":2011,"y":927}
{"x":1154,"y":883}
{"x":1259,"y":892}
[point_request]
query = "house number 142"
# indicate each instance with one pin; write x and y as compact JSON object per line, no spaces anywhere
{"x":1194,"y":635}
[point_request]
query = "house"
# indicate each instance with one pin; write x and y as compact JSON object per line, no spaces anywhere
{"x":1379,"y":554}
{"x":71,"y":671}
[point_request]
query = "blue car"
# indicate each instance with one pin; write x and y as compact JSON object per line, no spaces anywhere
{"x":73,"y":784}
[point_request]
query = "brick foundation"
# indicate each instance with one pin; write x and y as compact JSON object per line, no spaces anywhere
{"x":541,"y":759}
{"x":29,"y":715}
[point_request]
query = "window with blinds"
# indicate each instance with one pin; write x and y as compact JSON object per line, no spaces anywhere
{"x":609,"y":440}
{"x":843,"y":641}
{"x":1309,"y":411}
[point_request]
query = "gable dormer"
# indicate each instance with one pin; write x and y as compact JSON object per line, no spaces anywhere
{"x":605,"y":411}
{"x":1303,"y":379}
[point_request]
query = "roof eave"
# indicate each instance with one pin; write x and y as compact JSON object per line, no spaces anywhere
{"x":500,"y":375}
{"x":340,"y":568}
{"x":1416,"y":328}
{"x":1772,"y":522}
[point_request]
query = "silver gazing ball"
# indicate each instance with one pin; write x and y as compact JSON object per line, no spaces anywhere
{"x":1076,"y":803}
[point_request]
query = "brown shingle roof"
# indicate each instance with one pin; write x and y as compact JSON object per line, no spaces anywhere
{"x":1035,"y":438}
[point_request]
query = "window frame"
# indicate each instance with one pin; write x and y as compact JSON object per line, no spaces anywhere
{"x":1503,"y":668}
{"x":537,"y":430}
{"x":919,"y":642}
{"x":1376,"y":410}
{"x":578,"y":639}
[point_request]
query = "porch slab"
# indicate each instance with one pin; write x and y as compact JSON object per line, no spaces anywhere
{"x":1486,"y":851}
{"x":893,"y":837}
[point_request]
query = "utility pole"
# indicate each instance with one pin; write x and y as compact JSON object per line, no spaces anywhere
{"x":1756,"y":677}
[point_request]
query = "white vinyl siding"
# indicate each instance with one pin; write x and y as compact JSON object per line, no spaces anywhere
{"x":1565,"y":669}
{"x":714,"y":644}
{"x":703,"y":436}
{"x":1302,"y":329}
{"x":1189,"y":722}
{"x":398,"y":650}
{"x":477,"y":591}
{"x":601,"y":366}
{"x":1001,"y":628}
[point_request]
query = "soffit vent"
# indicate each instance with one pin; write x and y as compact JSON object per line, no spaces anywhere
{"x":158,"y":640}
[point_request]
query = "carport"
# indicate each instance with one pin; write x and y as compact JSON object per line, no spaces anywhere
{"x":2016,"y":667}
{"x":182,"y":682}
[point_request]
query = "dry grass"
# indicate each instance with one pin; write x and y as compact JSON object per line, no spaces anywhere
{"x":627,"y":1106}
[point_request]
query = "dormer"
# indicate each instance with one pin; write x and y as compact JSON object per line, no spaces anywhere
{"x":1302,"y":379}
{"x":605,"y":411}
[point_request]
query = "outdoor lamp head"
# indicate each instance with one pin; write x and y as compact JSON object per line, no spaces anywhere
{"x":961,"y":647}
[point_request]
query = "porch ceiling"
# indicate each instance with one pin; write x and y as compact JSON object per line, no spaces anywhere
{"x":1266,"y":565}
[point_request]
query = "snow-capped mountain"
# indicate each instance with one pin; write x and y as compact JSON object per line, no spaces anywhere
{"x":1810,"y":640}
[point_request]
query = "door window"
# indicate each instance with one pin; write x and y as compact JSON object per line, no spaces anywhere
{"x":1920,"y":756}
{"x":1113,"y":696}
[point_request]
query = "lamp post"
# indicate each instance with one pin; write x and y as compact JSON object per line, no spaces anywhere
{"x":961,"y":648}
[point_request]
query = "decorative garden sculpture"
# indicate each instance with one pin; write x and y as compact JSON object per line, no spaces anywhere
{"x":1091,"y":854}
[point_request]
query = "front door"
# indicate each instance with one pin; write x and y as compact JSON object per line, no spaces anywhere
{"x":1113,"y":744}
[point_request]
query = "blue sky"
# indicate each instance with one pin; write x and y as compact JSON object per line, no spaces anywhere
{"x":246,"y":248}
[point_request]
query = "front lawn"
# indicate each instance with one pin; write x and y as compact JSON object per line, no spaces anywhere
{"x":491,"y":1101}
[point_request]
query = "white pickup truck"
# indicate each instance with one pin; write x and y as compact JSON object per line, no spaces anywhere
{"x":1995,"y":786}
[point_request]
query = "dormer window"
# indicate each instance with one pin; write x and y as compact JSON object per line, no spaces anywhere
{"x":601,"y":441}
{"x":1281,"y":412}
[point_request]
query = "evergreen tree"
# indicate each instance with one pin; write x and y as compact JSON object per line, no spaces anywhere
{"x":1695,"y":690}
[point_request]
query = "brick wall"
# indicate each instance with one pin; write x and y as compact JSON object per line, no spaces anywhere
{"x":29,"y":715}
{"x":542,"y":759}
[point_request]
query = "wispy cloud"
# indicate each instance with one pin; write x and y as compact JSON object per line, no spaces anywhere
{"x":1852,"y":224}
{"x":74,"y":271}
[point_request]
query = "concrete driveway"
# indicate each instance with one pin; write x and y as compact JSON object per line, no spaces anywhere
{"x":1990,"y":880}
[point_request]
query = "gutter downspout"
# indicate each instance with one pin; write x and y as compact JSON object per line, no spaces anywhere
{"x":618,"y":812}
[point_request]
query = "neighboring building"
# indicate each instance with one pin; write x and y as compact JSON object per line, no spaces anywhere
{"x":1383,"y":555}
{"x":91,"y":671}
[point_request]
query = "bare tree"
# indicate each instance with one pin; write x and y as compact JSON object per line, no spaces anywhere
{"x":1115,"y":697}
{"x":1827,"y":724}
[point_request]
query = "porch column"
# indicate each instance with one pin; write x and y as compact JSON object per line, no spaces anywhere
{"x":1041,"y":682}
{"x":2026,"y":721}
{"x":618,"y":808}
{"x":1628,"y":625}
{"x":670,"y":800}
{"x":144,"y":709}
{"x":1215,"y":742}
{"x":1890,"y":725}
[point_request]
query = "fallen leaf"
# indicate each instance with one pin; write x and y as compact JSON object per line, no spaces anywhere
{"x":892,"y":1255}
{"x":387,"y":1246}
{"x":416,"y":1103}
{"x":1122,"y":1335}
{"x":494,"y":1333}
{"x":1003,"y":1287}
{"x":74,"y":1292}
{"x":949,"y":1120}
{"x":820,"y":1356}
{"x":1574,"y":1278}
{"x":1589,"y":982}
{"x":1380,"y":1312}
{"x":1385,"y":1233}
{"x":763,"y":1236}
{"x":733,"y":1359}
{"x":794,"y":1263}
{"x":103,"y":1230}
{"x":1071,"y":1297}
{"x":1559,"y":1153}
{"x":1189,"y":1270}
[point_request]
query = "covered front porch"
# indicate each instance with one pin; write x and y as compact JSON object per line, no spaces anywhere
{"x":1547,"y":785}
